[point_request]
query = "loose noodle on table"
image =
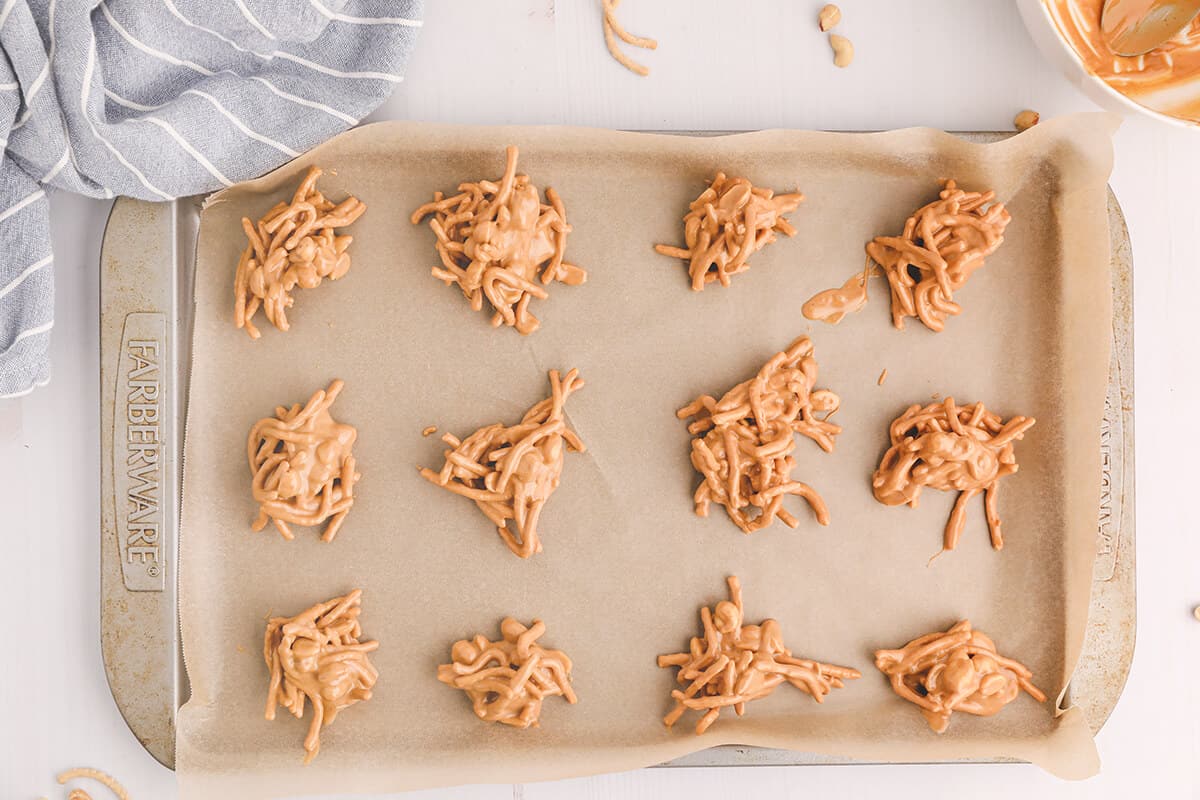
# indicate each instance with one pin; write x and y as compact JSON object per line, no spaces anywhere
{"x":613,"y":30}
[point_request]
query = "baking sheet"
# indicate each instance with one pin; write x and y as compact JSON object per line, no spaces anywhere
{"x":627,"y":564}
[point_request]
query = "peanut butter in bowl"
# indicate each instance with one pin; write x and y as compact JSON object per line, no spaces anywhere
{"x":1166,"y":80}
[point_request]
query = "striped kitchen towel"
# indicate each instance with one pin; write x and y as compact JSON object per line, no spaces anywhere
{"x":157,"y":99}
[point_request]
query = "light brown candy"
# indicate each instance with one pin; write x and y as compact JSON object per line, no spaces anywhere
{"x":942,"y":244}
{"x":730,"y":220}
{"x":943,"y":446}
{"x":744,"y":441}
{"x":304,"y":471}
{"x":500,"y":242}
{"x":295,"y":244}
{"x":958,"y":670}
{"x":511,"y":471}
{"x":733,"y":663}
{"x":317,"y":656}
{"x":507,"y":680}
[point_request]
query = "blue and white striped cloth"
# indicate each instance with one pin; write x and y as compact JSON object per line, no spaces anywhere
{"x":157,"y":99}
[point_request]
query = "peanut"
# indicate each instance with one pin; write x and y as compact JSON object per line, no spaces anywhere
{"x":843,"y":50}
{"x":1026,"y":120}
{"x":830,"y":16}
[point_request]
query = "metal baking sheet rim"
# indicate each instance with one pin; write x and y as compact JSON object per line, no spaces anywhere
{"x":145,"y":341}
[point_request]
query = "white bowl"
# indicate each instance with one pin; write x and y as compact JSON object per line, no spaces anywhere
{"x":1045,"y":34}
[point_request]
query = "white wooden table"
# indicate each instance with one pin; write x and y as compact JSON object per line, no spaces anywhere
{"x":721,"y":65}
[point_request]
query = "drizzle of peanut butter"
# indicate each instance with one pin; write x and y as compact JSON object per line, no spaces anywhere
{"x":1175,"y":63}
{"x":832,"y":305}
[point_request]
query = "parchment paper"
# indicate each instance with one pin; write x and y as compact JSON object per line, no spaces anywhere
{"x":627,"y":564}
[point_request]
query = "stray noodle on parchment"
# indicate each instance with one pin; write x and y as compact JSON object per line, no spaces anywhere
{"x":295,"y":244}
{"x":511,"y":471}
{"x":304,"y":472}
{"x":508,"y":679}
{"x":733,"y":663}
{"x":967,"y":449}
{"x":958,"y":670}
{"x":744,"y":441}
{"x":728,"y":222}
{"x":104,"y":778}
{"x":317,"y":656}
{"x":613,"y":30}
{"x":497,"y":240}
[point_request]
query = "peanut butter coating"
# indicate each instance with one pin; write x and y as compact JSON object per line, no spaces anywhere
{"x":1168,"y":67}
{"x":304,"y":471}
{"x":730,"y":220}
{"x":511,"y":471}
{"x":295,"y":244}
{"x":744,"y":442}
{"x":499,"y":242}
{"x":507,"y":680}
{"x":832,"y":305}
{"x":943,"y":243}
{"x":316,"y":656}
{"x":958,"y":670}
{"x":967,"y":449}
{"x":733,"y":663}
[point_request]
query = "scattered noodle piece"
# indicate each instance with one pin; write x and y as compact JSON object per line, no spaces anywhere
{"x":948,"y":448}
{"x":613,"y":30}
{"x":508,"y":679}
{"x":429,"y":431}
{"x":744,"y":442}
{"x":304,"y":472}
{"x":510,"y":472}
{"x":92,"y":774}
{"x":316,"y":655}
{"x":882,"y":377}
{"x":294,"y":244}
{"x":495,"y":237}
{"x":942,"y":244}
{"x":733,"y":663}
{"x":958,"y":670}
{"x":728,"y":222}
